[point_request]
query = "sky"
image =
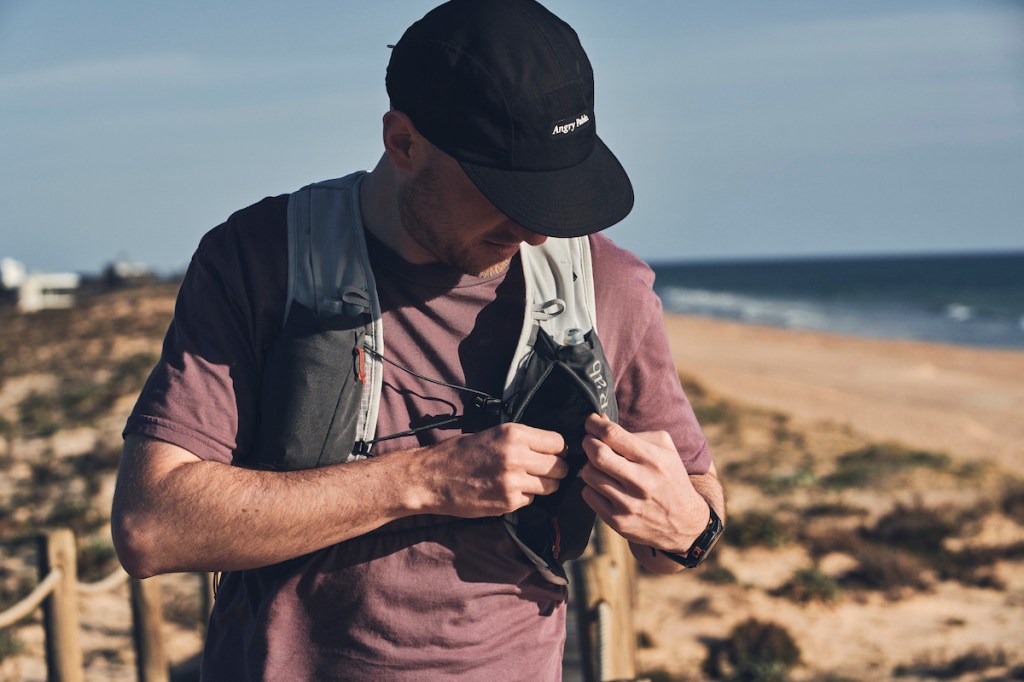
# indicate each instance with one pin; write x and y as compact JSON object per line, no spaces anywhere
{"x":750,"y":129}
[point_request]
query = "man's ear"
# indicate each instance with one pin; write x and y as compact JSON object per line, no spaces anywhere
{"x":403,"y":145}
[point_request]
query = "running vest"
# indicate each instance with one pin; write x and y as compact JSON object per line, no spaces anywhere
{"x":322,"y":378}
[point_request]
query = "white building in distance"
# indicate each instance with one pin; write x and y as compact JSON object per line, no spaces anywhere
{"x":36,"y":291}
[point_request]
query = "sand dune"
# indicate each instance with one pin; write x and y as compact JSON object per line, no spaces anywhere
{"x":966,"y":401}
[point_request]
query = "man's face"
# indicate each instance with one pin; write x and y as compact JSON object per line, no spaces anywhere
{"x":452,"y":222}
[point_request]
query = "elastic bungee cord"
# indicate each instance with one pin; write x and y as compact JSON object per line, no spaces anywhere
{"x":483,"y":402}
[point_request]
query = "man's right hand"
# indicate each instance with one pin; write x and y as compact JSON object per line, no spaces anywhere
{"x":491,"y":472}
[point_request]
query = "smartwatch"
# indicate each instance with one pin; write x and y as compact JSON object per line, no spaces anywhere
{"x":700,"y":548}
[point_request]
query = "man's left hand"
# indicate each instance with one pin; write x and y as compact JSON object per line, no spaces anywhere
{"x":637,"y":485}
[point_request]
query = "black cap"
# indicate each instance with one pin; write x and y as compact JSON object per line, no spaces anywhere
{"x":505,"y":88}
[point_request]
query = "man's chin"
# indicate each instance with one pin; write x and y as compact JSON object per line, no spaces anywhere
{"x":493,"y":270}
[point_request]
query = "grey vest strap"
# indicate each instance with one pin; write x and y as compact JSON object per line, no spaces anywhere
{"x":559,"y":297}
{"x":329,"y":272}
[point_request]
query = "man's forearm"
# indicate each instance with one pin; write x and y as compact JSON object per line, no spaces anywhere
{"x":710,"y":488}
{"x":176,"y":514}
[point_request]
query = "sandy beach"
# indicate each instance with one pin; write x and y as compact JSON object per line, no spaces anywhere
{"x":965,"y":401}
{"x":861,"y":601}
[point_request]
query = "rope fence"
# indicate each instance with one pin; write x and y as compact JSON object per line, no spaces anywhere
{"x":31,"y":601}
{"x":604,"y":580}
{"x":112,"y":581}
{"x":57,"y":593}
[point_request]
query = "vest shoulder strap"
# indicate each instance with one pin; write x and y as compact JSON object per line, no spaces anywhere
{"x":329,"y":272}
{"x":559,"y":282}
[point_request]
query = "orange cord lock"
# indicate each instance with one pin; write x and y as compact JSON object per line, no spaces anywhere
{"x":361,"y":365}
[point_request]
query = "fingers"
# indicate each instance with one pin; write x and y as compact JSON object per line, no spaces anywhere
{"x":612,"y":465}
{"x":538,"y":440}
{"x":548,"y":466}
{"x":614,"y":436}
{"x":538,"y":452}
{"x":537,"y":485}
{"x":608,"y":486}
{"x":633,"y":446}
{"x":533,"y":460}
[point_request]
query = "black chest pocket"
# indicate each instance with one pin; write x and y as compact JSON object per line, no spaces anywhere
{"x":310,"y":393}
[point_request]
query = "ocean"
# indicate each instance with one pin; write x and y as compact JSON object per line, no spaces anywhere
{"x":969,"y":300}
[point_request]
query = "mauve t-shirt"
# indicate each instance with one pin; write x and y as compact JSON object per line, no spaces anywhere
{"x":425,"y":597}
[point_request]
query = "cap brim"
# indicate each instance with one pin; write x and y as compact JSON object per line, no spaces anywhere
{"x":568,"y":202}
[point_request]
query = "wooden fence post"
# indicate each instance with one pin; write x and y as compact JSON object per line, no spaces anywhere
{"x":64,"y":661}
{"x":147,"y":618}
{"x":605,"y":581}
{"x":207,"y":595}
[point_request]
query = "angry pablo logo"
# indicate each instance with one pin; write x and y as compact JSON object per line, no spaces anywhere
{"x":570,"y":125}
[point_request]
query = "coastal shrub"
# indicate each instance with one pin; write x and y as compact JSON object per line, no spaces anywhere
{"x":757,"y":528}
{"x":183,"y":609}
{"x":96,"y":560}
{"x":833,"y":509}
{"x":923,"y":532}
{"x":693,"y":389}
{"x":38,"y":415}
{"x":92,"y":466}
{"x":109,"y":655}
{"x":977,"y":660}
{"x":755,"y":651}
{"x":10,"y":645}
{"x":46,"y":471}
{"x":809,"y":585}
{"x":7,"y":428}
{"x":7,"y":522}
{"x":716,"y":574}
{"x":772,"y":477}
{"x":873,"y":463}
{"x":829,"y":539}
{"x":879,"y":566}
{"x":708,"y":410}
{"x":915,"y":528}
{"x":975,"y":567}
{"x":77,"y":514}
{"x":699,"y":606}
{"x":1012,"y":502}
{"x":659,"y":675}
{"x":720,"y":412}
{"x":786,"y":483}
{"x":782,"y":434}
{"x":81,"y":401}
{"x":644,"y":640}
{"x":131,"y":373}
{"x":886,"y":569}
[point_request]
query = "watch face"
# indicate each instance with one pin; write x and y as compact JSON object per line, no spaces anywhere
{"x":704,"y":543}
{"x":711,"y":545}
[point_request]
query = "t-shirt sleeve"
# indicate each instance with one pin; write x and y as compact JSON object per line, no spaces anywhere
{"x":631,"y":326}
{"x":203,"y":394}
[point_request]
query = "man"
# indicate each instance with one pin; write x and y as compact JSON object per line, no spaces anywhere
{"x":400,"y":565}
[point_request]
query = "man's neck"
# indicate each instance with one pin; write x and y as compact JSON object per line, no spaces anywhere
{"x":378,"y":199}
